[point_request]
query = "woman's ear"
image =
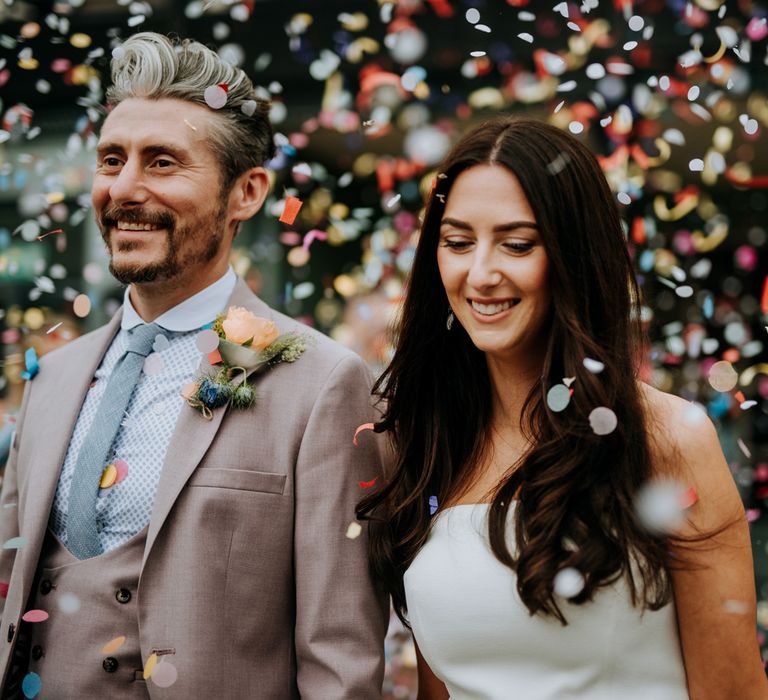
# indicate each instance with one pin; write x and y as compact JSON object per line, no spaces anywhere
{"x":248,"y":194}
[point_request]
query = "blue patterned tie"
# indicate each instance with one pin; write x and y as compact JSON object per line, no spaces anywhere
{"x":82,"y":532}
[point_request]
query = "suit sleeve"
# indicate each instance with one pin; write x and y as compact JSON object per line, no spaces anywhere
{"x":340,"y":619}
{"x":9,"y":510}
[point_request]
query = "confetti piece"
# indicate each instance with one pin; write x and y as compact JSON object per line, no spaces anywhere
{"x":53,"y":328}
{"x":190,"y":125}
{"x":248,"y":108}
{"x":433,"y":505}
{"x":602,"y":420}
{"x":207,"y":341}
{"x":313,"y":235}
{"x":35,"y":616}
{"x":215,"y":358}
{"x":594,"y":366}
{"x":58,"y":230}
{"x":354,"y":530}
{"x":165,"y":674}
{"x":68,"y":603}
{"x":746,"y":405}
{"x":31,"y":685}
{"x":121,"y":467}
{"x":568,"y":381}
{"x":15,"y":543}
{"x":215,"y":96}
{"x":367,"y":484}
{"x":689,"y":498}
{"x":31,"y":364}
{"x":291,"y":209}
{"x":364,"y":426}
{"x":659,"y":506}
{"x":525,"y":36}
{"x":558,"y":398}
{"x":722,"y":376}
{"x":81,"y":306}
{"x":113,"y":645}
{"x":568,"y":582}
{"x":744,"y":448}
{"x":150,"y":666}
{"x":736,"y":607}
{"x":161,"y":343}
{"x":153,"y":364}
{"x":3,"y":589}
{"x":764,"y":296}
{"x":108,"y":477}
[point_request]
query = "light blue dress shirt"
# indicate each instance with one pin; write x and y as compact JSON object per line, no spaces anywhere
{"x":124,"y":509}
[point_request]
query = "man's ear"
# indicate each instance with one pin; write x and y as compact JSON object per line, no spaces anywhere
{"x":248,"y":194}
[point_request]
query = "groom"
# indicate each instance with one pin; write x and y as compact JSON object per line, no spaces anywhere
{"x":151,"y":551}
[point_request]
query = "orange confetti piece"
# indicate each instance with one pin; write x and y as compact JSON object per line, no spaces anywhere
{"x":740,"y":397}
{"x":113,"y":645}
{"x":764,"y":297}
{"x":223,"y":86}
{"x":214,"y":357}
{"x":58,"y":230}
{"x":367,"y":484}
{"x":291,"y":209}
{"x":364,"y":426}
{"x":688,"y":498}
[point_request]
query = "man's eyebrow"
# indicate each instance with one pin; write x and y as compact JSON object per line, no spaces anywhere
{"x":151,"y":150}
{"x":499,"y":228}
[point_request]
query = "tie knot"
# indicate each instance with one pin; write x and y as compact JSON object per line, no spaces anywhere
{"x":141,"y":338}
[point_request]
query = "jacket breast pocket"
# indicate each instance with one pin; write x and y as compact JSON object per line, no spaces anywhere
{"x":238,"y":479}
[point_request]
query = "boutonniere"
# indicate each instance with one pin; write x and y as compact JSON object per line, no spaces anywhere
{"x":247,"y":343}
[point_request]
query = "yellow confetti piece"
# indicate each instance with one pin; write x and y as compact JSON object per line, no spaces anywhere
{"x":108,"y":477}
{"x":80,"y":40}
{"x":150,"y":666}
{"x":28,"y":63}
{"x":112,"y":646}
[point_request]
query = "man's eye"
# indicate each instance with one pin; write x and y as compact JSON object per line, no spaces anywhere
{"x":163,"y":163}
{"x":111,"y":162}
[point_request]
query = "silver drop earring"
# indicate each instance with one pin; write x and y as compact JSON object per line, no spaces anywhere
{"x":449,"y":320}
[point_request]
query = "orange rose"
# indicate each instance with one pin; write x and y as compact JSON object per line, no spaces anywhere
{"x":241,"y":326}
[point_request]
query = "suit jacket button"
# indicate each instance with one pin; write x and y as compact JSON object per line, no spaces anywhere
{"x":123,"y":595}
{"x":45,"y":587}
{"x":110,"y":664}
{"x":37,"y":652}
{"x":11,"y":631}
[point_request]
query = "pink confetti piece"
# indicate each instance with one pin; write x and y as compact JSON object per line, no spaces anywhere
{"x":122,"y":470}
{"x":3,"y":589}
{"x":207,"y":341}
{"x":688,"y":498}
{"x":314,"y":235}
{"x":35,"y":616}
{"x":153,"y":364}
{"x":164,"y":674}
{"x":364,"y":426}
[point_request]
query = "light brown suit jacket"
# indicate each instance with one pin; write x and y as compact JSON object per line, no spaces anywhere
{"x":247,"y":572}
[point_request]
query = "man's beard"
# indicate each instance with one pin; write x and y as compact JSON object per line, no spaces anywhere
{"x":176,"y":258}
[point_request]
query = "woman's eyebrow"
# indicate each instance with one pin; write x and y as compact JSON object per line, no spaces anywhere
{"x":499,"y":228}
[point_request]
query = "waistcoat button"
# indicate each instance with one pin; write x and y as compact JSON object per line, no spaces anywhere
{"x":45,"y":587}
{"x":11,"y":631}
{"x":37,"y":652}
{"x":123,"y":595}
{"x":110,"y":664}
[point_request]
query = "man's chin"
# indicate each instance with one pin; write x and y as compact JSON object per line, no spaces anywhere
{"x":142,"y":274}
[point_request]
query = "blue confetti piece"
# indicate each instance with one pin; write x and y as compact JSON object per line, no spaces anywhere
{"x":432,"y":505}
{"x":709,"y":306}
{"x":31,"y":363}
{"x":31,"y":685}
{"x":15,"y":543}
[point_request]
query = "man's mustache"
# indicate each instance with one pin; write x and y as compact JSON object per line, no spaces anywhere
{"x":111,"y":216}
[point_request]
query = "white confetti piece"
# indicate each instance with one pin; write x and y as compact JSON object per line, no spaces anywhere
{"x":558,"y":398}
{"x":696,"y":165}
{"x":659,"y":506}
{"x":722,"y":376}
{"x":594,"y":366}
{"x":603,"y":420}
{"x":525,"y":36}
{"x":744,"y":448}
{"x":215,"y":96}
{"x":568,"y":582}
{"x":354,"y":530}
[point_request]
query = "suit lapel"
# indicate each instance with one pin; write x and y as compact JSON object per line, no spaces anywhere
{"x":64,"y":389}
{"x":193,"y":434}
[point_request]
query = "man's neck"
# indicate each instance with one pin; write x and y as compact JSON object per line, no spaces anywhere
{"x":151,"y":300}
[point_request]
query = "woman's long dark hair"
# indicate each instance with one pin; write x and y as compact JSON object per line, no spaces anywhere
{"x":575,"y":489}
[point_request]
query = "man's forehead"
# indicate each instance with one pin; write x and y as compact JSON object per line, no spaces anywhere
{"x":139,"y":120}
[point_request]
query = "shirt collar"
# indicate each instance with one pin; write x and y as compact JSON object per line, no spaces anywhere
{"x":191,"y":314}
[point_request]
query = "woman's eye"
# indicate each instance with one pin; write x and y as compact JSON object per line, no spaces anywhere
{"x":519,"y":247}
{"x":456,"y":245}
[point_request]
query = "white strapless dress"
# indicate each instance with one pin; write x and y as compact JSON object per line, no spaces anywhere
{"x":479,"y":639}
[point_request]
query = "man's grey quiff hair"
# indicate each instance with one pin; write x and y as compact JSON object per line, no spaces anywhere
{"x":152,"y":66}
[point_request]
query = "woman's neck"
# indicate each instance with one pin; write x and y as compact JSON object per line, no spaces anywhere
{"x":511,"y":383}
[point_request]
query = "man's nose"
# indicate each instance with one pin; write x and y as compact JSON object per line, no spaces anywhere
{"x":129,"y":186}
